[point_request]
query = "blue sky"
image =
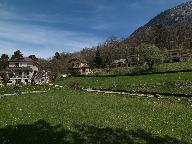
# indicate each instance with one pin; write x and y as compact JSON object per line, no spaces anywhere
{"x":42,"y":27}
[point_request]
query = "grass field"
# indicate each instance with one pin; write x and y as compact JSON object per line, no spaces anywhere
{"x":171,"y":78}
{"x":64,"y":115}
{"x":173,"y":83}
{"x":23,"y":88}
{"x":67,"y":116}
{"x":137,"y":70}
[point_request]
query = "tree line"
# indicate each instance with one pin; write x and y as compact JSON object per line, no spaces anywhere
{"x":5,"y":58}
{"x":100,"y":56}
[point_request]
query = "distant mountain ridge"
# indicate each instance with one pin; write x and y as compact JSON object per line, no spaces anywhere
{"x":170,"y":29}
{"x":177,"y":15}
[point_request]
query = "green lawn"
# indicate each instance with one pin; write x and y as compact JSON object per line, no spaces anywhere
{"x":136,"y":70}
{"x":171,"y":78}
{"x":23,"y":88}
{"x":173,"y":83}
{"x":67,"y":116}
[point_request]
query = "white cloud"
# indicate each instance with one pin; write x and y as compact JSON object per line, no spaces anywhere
{"x":40,"y":40}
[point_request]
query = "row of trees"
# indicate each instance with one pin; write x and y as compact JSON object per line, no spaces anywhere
{"x":5,"y":58}
{"x":100,"y":56}
{"x":145,"y":54}
{"x":104,"y":54}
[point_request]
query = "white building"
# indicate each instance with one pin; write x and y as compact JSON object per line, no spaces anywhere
{"x":26,"y":71}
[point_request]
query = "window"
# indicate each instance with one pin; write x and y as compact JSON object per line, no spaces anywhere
{"x":16,"y":64}
{"x":174,"y":54}
{"x":18,"y":81}
{"x":20,"y":73}
{"x":27,"y":73}
{"x":26,"y":81}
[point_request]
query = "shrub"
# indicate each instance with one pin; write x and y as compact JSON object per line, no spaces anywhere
{"x":76,"y":85}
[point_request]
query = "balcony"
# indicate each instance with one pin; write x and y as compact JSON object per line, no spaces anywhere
{"x":21,"y":68}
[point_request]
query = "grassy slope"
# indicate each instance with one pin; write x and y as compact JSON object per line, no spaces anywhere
{"x":175,"y":78}
{"x":176,"y":83}
{"x":161,"y":68}
{"x":23,"y":88}
{"x":91,"y":117}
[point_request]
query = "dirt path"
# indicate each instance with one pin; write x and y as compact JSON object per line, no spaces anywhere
{"x":179,"y":97}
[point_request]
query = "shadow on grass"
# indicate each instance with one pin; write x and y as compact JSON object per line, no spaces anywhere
{"x":42,"y":132}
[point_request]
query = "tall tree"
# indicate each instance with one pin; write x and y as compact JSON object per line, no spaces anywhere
{"x":6,"y":75}
{"x":57,"y":55}
{"x":33,"y":57}
{"x":158,"y":32}
{"x":149,"y":54}
{"x":4,"y":61}
{"x":17,"y":54}
{"x":98,"y":59}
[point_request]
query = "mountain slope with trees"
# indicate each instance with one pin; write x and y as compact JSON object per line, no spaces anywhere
{"x":170,"y":29}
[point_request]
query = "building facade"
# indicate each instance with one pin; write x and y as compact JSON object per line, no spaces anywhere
{"x":179,"y":55}
{"x":25,"y":71}
{"x":79,"y":67}
{"x":119,"y":63}
{"x":130,"y":61}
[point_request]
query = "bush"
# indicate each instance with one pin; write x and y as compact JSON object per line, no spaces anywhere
{"x":76,"y":85}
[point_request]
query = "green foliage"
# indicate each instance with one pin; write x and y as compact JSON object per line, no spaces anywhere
{"x":24,"y":88}
{"x":33,"y":57}
{"x":98,"y":59}
{"x":76,"y":85}
{"x":57,"y":65}
{"x":6,"y":75}
{"x":57,"y":55}
{"x":4,"y":61}
{"x":149,"y":54}
{"x":171,"y":83}
{"x":138,"y":70}
{"x":17,"y":54}
{"x":54,"y":76}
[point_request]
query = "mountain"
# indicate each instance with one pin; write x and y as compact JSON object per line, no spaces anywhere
{"x":170,"y":29}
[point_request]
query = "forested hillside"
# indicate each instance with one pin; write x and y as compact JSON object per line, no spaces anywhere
{"x":170,"y":29}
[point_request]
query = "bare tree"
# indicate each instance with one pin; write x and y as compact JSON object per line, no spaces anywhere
{"x":6,"y":76}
